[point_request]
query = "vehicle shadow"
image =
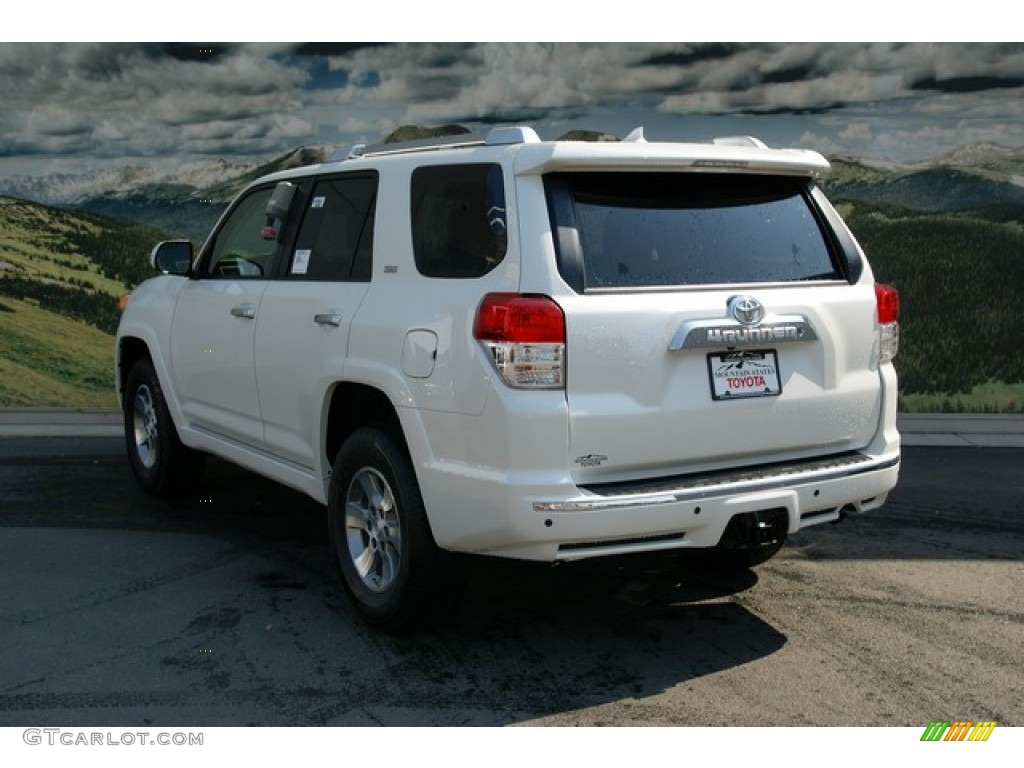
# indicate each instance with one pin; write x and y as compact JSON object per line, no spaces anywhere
{"x":526,"y":641}
{"x":534,"y":641}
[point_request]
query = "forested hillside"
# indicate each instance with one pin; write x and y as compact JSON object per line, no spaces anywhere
{"x":960,"y":277}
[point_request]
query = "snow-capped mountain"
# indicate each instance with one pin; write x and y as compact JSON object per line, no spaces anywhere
{"x":75,"y":188}
{"x":984,"y":155}
{"x":185,"y":202}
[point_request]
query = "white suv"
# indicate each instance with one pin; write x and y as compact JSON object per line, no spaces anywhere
{"x":541,"y":350}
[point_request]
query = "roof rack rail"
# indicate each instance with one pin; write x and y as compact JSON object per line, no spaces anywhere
{"x":739,"y":141}
{"x":519,"y":134}
{"x":345,"y":153}
{"x":495,"y":137}
{"x":415,"y":145}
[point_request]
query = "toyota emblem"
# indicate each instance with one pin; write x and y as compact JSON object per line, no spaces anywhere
{"x":746,"y":310}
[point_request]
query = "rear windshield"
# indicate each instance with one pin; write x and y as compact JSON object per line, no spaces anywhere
{"x":641,"y":230}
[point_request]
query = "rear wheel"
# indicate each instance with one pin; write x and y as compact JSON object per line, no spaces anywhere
{"x":380,"y":538}
{"x":162,"y":465}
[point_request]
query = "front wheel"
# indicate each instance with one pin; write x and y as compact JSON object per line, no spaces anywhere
{"x":380,"y":538}
{"x":162,"y":465}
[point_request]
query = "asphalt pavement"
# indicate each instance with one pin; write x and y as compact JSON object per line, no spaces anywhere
{"x":917,"y":429}
{"x":224,"y":608}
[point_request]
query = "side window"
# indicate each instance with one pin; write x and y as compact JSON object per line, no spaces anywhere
{"x":458,"y":219}
{"x":335,"y":241}
{"x":239,"y":249}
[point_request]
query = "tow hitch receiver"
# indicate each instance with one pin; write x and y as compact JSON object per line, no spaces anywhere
{"x":754,"y":530}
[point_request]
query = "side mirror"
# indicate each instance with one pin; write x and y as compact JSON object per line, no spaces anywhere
{"x":172,"y":257}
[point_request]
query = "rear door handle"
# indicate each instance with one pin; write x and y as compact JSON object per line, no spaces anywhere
{"x":244,"y":311}
{"x":328,"y":318}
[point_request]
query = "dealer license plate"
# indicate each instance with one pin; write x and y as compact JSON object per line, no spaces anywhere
{"x":744,"y":373}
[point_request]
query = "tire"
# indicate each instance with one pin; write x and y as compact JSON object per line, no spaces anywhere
{"x":390,"y":566}
{"x":162,"y":465}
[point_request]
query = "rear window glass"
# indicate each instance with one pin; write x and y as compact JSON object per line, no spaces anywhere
{"x":458,"y":219}
{"x":648,"y":230}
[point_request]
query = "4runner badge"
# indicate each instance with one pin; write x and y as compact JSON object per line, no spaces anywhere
{"x":590,"y":460}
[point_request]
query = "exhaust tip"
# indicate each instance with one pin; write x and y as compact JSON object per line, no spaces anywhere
{"x":843,"y":512}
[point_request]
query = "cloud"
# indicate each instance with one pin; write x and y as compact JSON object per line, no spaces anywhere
{"x":482,"y":81}
{"x":215,"y":99}
{"x":857,"y":132}
{"x":139,"y":99}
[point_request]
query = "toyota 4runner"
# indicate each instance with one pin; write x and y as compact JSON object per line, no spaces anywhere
{"x":540,"y":350}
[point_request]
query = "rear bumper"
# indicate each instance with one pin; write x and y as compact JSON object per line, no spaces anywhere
{"x":810,"y":492}
{"x":562,"y":521}
{"x":710,"y":485}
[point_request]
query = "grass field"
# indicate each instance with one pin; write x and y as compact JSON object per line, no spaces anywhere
{"x":37,"y":241}
{"x":60,"y":275}
{"x":47,"y":360}
{"x":991,"y":397}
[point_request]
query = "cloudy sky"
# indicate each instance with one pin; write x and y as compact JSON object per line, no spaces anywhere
{"x":77,"y":106}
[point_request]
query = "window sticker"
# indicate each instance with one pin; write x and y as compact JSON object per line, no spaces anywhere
{"x":318,"y":202}
{"x":300,"y":264}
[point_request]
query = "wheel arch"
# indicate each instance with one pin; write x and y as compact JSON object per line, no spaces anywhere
{"x":352,"y":405}
{"x":139,"y":343}
{"x":130,"y":349}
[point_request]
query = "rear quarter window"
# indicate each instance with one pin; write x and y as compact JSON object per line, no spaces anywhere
{"x":650,"y":230}
{"x":458,"y":219}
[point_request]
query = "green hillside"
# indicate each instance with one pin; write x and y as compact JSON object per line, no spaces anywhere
{"x":48,"y":360}
{"x":74,"y":248}
{"x":61,"y":274}
{"x":949,"y":233}
{"x":930,"y":189}
{"x":960,"y":275}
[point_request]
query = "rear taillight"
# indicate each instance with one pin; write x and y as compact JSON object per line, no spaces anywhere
{"x":887,"y":300}
{"x":525,"y":337}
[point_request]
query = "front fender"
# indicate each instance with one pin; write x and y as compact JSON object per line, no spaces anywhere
{"x":148,"y":319}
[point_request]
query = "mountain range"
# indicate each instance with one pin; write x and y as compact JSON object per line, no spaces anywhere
{"x":975,"y":176}
{"x":218,"y":180}
{"x":186,"y":202}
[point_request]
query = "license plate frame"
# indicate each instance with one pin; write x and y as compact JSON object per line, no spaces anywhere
{"x":744,"y":373}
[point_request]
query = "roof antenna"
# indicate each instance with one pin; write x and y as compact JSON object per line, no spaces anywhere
{"x":636,"y":135}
